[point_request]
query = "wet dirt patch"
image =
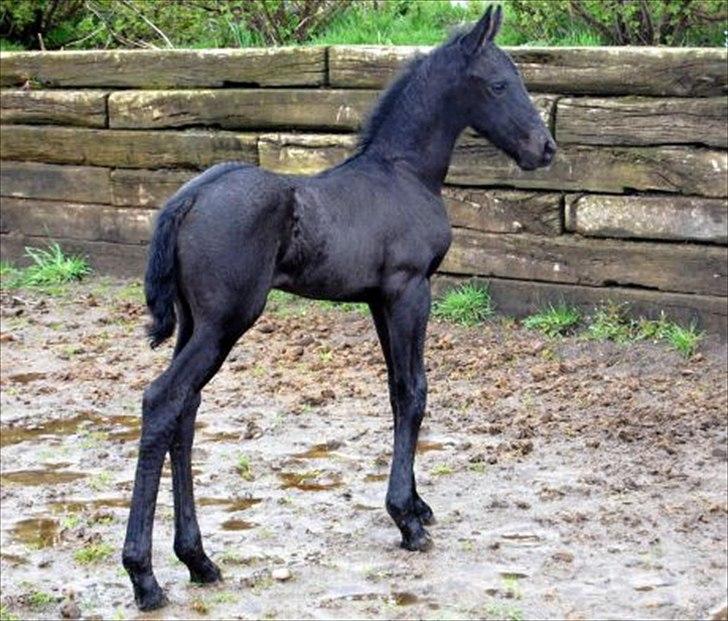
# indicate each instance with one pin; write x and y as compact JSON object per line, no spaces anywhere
{"x":569,"y":479}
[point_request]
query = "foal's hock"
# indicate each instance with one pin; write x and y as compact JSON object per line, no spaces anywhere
{"x":372,"y":229}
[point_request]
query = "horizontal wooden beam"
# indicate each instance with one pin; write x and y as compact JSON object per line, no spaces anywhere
{"x":595,"y":262}
{"x":126,"y":148}
{"x":282,"y":66}
{"x":82,"y":108}
{"x":663,"y":71}
{"x":520,"y":298}
{"x":640,"y":121}
{"x":79,"y":184}
{"x":677,"y":218}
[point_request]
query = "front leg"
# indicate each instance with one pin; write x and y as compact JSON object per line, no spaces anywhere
{"x":404,"y":314}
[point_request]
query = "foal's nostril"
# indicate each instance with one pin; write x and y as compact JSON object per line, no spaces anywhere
{"x":549,"y":150}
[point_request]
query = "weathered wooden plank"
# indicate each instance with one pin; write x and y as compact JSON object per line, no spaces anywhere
{"x":84,"y":108}
{"x":86,"y":222}
{"x":648,"y":217}
{"x":79,"y":184}
{"x":146,"y":188}
{"x":569,"y":259}
{"x":241,"y":109}
{"x":477,"y":162}
{"x":642,"y":121}
{"x":127,"y":260}
{"x":520,"y":298}
{"x":679,"y":72}
{"x":303,"y":154}
{"x":503,"y":211}
{"x":127,"y":148}
{"x":299,"y":66}
{"x":682,"y":170}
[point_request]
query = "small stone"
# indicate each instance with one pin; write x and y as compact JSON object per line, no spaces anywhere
{"x":70,"y":610}
{"x":563,"y":557}
{"x":281,"y":574}
{"x":719,"y":613}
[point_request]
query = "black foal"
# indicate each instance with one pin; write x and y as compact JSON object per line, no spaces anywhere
{"x":372,"y":229}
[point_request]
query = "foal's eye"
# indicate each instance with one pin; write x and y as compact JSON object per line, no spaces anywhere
{"x":498,"y":88}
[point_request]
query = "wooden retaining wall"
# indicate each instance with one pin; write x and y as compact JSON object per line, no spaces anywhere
{"x":634,"y":208}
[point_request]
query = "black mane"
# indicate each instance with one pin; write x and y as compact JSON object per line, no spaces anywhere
{"x":388,"y":101}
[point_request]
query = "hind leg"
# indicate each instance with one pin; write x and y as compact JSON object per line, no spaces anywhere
{"x":187,"y":537}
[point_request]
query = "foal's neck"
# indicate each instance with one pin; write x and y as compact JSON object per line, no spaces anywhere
{"x":421,"y":130}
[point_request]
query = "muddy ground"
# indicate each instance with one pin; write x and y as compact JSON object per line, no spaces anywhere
{"x":570,"y":479}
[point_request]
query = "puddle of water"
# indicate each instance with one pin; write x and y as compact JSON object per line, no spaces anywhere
{"x":13,"y":559}
{"x":319,"y":451}
{"x":80,"y":506}
{"x":423,"y":446}
{"x":237,"y":524}
{"x":41,"y":477}
{"x":66,"y":426}
{"x":26,"y":378}
{"x":371,"y":478}
{"x":305,"y":482}
{"x":37,"y":532}
{"x":230,"y":504}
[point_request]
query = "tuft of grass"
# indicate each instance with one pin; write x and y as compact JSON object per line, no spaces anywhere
{"x":684,"y":340}
{"x":243,"y":467}
{"x":442,"y":470}
{"x":38,"y":600}
{"x":93,"y":553}
{"x":500,"y":610}
{"x":50,"y":267}
{"x":467,"y":305}
{"x":6,"y":615}
{"x":610,"y":322}
{"x":554,"y":321}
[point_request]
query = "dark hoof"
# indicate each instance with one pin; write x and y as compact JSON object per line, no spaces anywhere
{"x":205,"y":573}
{"x":423,"y":511}
{"x":151,"y":598}
{"x":418,"y":543}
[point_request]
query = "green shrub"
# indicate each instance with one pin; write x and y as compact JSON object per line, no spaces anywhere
{"x":49,"y":267}
{"x":468,"y":305}
{"x":554,"y":320}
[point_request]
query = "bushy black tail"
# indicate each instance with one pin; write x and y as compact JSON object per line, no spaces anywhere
{"x":160,"y":281}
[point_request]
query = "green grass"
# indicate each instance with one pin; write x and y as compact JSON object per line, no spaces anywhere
{"x":243,"y":468}
{"x":442,"y":470}
{"x":49,"y":267}
{"x":397,"y":23}
{"x":466,"y":305}
{"x":6,"y":615}
{"x":554,"y":321}
{"x":93,"y":553}
{"x":610,"y":322}
{"x":38,"y":600}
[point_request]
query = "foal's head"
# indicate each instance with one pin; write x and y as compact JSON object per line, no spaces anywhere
{"x":495,"y":100}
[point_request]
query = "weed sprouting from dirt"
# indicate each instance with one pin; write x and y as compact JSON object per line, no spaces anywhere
{"x":467,"y":305}
{"x":554,"y":321}
{"x":38,"y":600}
{"x":500,"y":610}
{"x":6,"y":615}
{"x":610,"y":322}
{"x":93,"y":553}
{"x":243,"y":467}
{"x":50,"y":267}
{"x":442,"y":470}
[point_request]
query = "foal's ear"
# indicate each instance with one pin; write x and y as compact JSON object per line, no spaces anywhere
{"x":484,"y":31}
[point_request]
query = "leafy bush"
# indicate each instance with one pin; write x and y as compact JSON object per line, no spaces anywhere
{"x":78,"y":24}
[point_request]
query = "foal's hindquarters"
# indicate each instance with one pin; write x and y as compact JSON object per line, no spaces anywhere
{"x":226,"y":248}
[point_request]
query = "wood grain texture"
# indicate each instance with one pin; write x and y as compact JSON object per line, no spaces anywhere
{"x":284,"y":66}
{"x":570,"y":259}
{"x":146,"y":188}
{"x":86,"y":222}
{"x":126,"y":148}
{"x":681,"y":72}
{"x":520,"y":298}
{"x":642,"y":121}
{"x":80,"y":184}
{"x":241,"y":109}
{"x":81,"y":108}
{"x":675,"y":218}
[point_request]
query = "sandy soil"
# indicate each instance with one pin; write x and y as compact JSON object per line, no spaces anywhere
{"x":570,"y":479}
